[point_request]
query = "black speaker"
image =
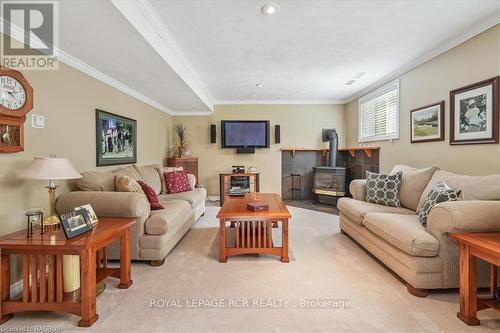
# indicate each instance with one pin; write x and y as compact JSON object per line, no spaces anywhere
{"x":277,"y":134}
{"x":213,"y":133}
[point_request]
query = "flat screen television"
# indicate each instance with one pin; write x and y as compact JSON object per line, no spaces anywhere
{"x":245,"y":133}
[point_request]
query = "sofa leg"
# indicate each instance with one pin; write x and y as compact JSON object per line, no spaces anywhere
{"x":156,"y":263}
{"x":417,"y":291}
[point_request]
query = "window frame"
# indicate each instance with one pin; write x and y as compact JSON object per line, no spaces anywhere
{"x":369,"y":97}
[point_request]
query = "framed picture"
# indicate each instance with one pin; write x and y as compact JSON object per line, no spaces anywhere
{"x":474,"y":113}
{"x":75,"y":223}
{"x":427,"y":123}
{"x":92,"y":217}
{"x":116,"y":139}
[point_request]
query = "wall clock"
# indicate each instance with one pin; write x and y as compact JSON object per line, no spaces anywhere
{"x":16,"y":99}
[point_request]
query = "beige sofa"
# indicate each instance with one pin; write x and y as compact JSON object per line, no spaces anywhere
{"x":155,"y":232}
{"x":425,"y":257}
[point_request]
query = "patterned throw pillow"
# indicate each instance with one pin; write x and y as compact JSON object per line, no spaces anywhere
{"x":151,"y":195}
{"x":161,"y":170}
{"x":177,"y":181}
{"x":383,"y":189}
{"x":440,"y":193}
{"x":127,"y":184}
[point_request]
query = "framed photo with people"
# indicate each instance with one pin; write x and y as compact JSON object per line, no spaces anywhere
{"x":116,"y":139}
{"x":474,"y":114}
{"x":75,"y":223}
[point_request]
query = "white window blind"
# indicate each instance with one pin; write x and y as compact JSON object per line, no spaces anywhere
{"x":379,"y":114}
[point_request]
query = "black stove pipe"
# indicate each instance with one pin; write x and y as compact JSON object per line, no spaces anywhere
{"x":334,"y":146}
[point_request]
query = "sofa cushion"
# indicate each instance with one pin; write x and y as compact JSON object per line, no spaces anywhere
{"x":129,"y":171}
{"x":161,"y":171}
{"x":440,"y":193}
{"x":96,"y":181}
{"x":413,"y":183}
{"x":404,"y":232}
{"x":151,"y":195}
{"x":150,"y":175}
{"x":194,"y":197}
{"x":383,"y":189}
{"x":473,"y":187}
{"x":125,"y":183}
{"x":166,"y":219}
{"x":356,"y":209}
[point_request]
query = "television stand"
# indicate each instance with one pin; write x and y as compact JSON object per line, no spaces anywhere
{"x":225,"y":183}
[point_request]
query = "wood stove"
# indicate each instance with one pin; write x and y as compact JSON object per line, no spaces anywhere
{"x":330,"y":182}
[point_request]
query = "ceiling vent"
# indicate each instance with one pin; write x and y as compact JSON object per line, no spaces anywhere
{"x":349,"y":82}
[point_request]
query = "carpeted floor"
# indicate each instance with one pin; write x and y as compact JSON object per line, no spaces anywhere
{"x":332,"y":285}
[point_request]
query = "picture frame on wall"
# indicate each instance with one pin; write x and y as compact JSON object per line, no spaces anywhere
{"x":427,"y":123}
{"x":474,"y":117}
{"x":116,"y":139}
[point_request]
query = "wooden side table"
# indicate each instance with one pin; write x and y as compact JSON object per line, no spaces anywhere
{"x":485,"y":246}
{"x":190,"y":164}
{"x":224,"y":189}
{"x":42,"y":260}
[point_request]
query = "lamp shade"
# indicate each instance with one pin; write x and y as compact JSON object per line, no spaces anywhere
{"x":50,"y":168}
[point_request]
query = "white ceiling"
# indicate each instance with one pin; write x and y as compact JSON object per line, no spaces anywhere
{"x":185,"y":56}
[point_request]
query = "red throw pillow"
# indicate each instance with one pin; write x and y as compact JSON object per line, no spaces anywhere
{"x":151,"y":195}
{"x":177,"y":181}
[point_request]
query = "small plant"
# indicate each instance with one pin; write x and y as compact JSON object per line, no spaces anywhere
{"x":183,"y":143}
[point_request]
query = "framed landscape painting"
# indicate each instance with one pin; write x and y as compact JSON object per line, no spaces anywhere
{"x":116,"y":139}
{"x":474,"y":113}
{"x":427,"y":123}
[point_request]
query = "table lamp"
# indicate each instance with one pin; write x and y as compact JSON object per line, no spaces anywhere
{"x":50,"y":168}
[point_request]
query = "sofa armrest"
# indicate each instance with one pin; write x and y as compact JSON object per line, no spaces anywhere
{"x":191,"y":180}
{"x":120,"y":204}
{"x":357,"y":187}
{"x":464,"y":216}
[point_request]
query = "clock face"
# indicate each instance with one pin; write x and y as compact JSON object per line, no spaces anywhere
{"x":12,"y":93}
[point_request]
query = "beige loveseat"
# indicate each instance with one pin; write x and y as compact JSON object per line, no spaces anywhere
{"x":425,"y":257}
{"x":155,"y":232}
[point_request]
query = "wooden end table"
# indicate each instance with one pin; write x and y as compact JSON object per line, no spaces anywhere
{"x":253,"y":230}
{"x":42,"y":258}
{"x":485,"y":246}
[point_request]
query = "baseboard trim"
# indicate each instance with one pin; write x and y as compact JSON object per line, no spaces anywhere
{"x":213,"y":198}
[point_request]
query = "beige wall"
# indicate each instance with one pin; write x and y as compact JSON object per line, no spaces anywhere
{"x":475,"y":60}
{"x":300,"y":127}
{"x":68,"y":99}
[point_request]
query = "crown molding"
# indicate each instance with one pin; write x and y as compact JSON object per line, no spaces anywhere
{"x":460,"y":39}
{"x":280,"y":102}
{"x":18,"y":33}
{"x":147,"y":22}
{"x":192,"y":113}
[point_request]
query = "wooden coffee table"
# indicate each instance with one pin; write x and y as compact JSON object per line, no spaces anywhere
{"x":253,"y":230}
{"x":485,"y":246}
{"x":42,"y":257}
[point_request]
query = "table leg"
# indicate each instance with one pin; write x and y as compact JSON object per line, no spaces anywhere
{"x":468,"y":285}
{"x":4,"y":286}
{"x":222,"y":241}
{"x":284,"y":241}
{"x":125,"y":261}
{"x":87,"y":288}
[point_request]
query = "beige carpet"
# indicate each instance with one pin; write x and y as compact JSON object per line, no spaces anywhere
{"x":326,"y":265}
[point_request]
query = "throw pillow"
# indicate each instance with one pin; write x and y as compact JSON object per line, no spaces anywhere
{"x":177,"y":181}
{"x":161,"y":171}
{"x":383,"y":189}
{"x":127,"y":184}
{"x":151,"y":195}
{"x":440,"y":193}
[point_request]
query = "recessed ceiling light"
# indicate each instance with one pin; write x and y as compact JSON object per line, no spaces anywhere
{"x":259,"y":85}
{"x":270,"y":9}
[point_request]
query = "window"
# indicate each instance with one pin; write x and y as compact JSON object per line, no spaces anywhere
{"x":379,"y":114}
